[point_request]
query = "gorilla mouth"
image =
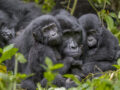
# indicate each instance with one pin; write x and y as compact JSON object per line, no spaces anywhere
{"x":74,"y":54}
{"x":92,"y":50}
{"x":92,"y":47}
{"x":54,"y":41}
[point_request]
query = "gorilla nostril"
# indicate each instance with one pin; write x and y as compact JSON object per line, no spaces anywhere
{"x":54,"y":34}
{"x":90,"y":39}
{"x":73,"y":47}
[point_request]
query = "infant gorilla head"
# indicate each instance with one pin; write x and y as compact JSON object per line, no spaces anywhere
{"x":47,"y":30}
{"x":93,"y":30}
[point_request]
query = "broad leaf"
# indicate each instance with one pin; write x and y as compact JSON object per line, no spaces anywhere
{"x":20,"y":58}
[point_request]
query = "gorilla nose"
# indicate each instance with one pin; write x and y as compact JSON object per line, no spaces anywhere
{"x":90,"y":39}
{"x":54,"y":34}
{"x":73,"y":46}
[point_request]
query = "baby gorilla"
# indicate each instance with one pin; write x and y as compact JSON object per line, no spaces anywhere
{"x":102,"y":46}
{"x":47,"y":35}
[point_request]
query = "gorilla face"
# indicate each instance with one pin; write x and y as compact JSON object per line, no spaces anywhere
{"x":6,"y":30}
{"x":50,"y":34}
{"x":47,"y":30}
{"x":71,"y":44}
{"x":91,"y":38}
{"x":91,"y":41}
{"x":6,"y":33}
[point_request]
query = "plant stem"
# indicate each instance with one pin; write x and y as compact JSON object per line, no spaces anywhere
{"x":68,"y":4}
{"x":15,"y":72}
{"x":74,"y":6}
{"x":105,"y":2}
{"x":92,"y":6}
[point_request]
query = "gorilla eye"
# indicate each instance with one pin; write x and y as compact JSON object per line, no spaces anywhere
{"x":67,"y":34}
{"x":77,"y":33}
{"x":93,"y":31}
{"x":2,"y":24}
{"x":45,"y":30}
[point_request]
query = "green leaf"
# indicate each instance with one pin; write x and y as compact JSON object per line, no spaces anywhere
{"x":49,"y":76}
{"x":1,"y":50}
{"x":113,"y":15}
{"x":57,"y":66}
{"x":20,"y":58}
{"x":118,"y":61}
{"x":48,"y":62}
{"x":39,"y":87}
{"x":110,"y":22}
{"x":7,"y":54}
{"x":75,"y":79}
{"x":119,"y":15}
{"x":43,"y":66}
{"x":8,"y":48}
{"x":116,"y":66}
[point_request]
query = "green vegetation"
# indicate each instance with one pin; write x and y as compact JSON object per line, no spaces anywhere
{"x":110,"y":80}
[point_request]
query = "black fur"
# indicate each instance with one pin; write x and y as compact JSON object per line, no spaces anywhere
{"x":103,"y":55}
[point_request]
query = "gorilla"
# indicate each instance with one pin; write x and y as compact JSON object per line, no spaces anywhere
{"x":36,"y":31}
{"x":70,"y":49}
{"x":102,"y":46}
{"x":46,"y":34}
{"x":21,"y":13}
{"x":6,"y":29}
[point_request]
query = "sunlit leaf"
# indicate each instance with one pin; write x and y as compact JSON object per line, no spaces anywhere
{"x":8,"y":54}
{"x":48,"y":62}
{"x":8,"y":48}
{"x":119,"y":15}
{"x":118,"y":61}
{"x":56,"y":66}
{"x":110,"y":22}
{"x":117,"y":66}
{"x":1,"y":50}
{"x":73,"y":77}
{"x":20,"y":58}
{"x":3,"y":69}
{"x":49,"y":76}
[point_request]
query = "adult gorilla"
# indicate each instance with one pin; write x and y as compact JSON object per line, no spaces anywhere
{"x":47,"y":34}
{"x":73,"y":45}
{"x":6,"y":29}
{"x":71,"y":50}
{"x":21,"y":13}
{"x":45,"y":30}
{"x":102,"y":46}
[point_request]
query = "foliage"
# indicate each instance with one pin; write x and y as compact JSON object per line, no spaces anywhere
{"x":46,"y":5}
{"x":50,"y":73}
{"x":110,"y":80}
{"x":111,"y":18}
{"x":8,"y":79}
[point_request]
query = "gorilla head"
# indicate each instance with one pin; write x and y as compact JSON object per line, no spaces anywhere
{"x":93,"y":29}
{"x":72,"y":35}
{"x":71,"y":44}
{"x":47,"y":30}
{"x":6,"y":29}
